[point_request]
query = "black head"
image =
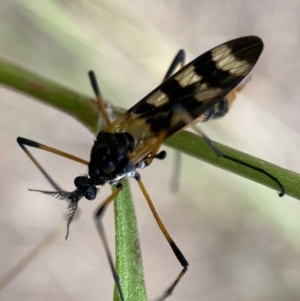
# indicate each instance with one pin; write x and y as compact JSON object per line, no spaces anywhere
{"x":109,"y":156}
{"x":85,"y":188}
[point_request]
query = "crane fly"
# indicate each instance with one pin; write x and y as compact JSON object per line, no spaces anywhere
{"x":197,"y":92}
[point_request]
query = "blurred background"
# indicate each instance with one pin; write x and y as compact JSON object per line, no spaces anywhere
{"x":242,"y":241}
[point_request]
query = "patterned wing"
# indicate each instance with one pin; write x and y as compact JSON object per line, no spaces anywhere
{"x":196,"y":87}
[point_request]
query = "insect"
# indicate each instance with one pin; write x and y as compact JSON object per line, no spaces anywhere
{"x":195,"y":93}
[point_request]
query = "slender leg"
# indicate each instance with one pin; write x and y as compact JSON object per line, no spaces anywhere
{"x":217,"y":111}
{"x":172,"y":244}
{"x":23,"y":142}
{"x":98,"y":219}
{"x":100,"y":101}
{"x":178,"y":60}
{"x":23,"y":263}
{"x":188,"y":119}
{"x":153,"y":154}
{"x":175,"y":183}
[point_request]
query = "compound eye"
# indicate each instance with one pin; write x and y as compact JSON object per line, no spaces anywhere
{"x":91,"y":193}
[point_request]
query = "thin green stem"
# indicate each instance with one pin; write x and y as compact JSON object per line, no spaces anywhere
{"x":197,"y":147}
{"x":84,"y":109}
{"x":128,"y":252}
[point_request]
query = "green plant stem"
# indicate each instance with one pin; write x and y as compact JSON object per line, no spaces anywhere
{"x":128,"y":252}
{"x":197,"y":147}
{"x":84,"y":109}
{"x":81,"y":107}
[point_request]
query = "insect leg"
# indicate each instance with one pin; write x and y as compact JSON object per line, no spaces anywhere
{"x":98,"y":220}
{"x":156,"y":147}
{"x":23,"y":142}
{"x":175,"y":183}
{"x":172,"y":244}
{"x":220,"y":109}
{"x":221,"y":154}
{"x":217,"y":111}
{"x":23,"y":263}
{"x":188,"y":119}
{"x":100,"y":101}
{"x":178,"y":60}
